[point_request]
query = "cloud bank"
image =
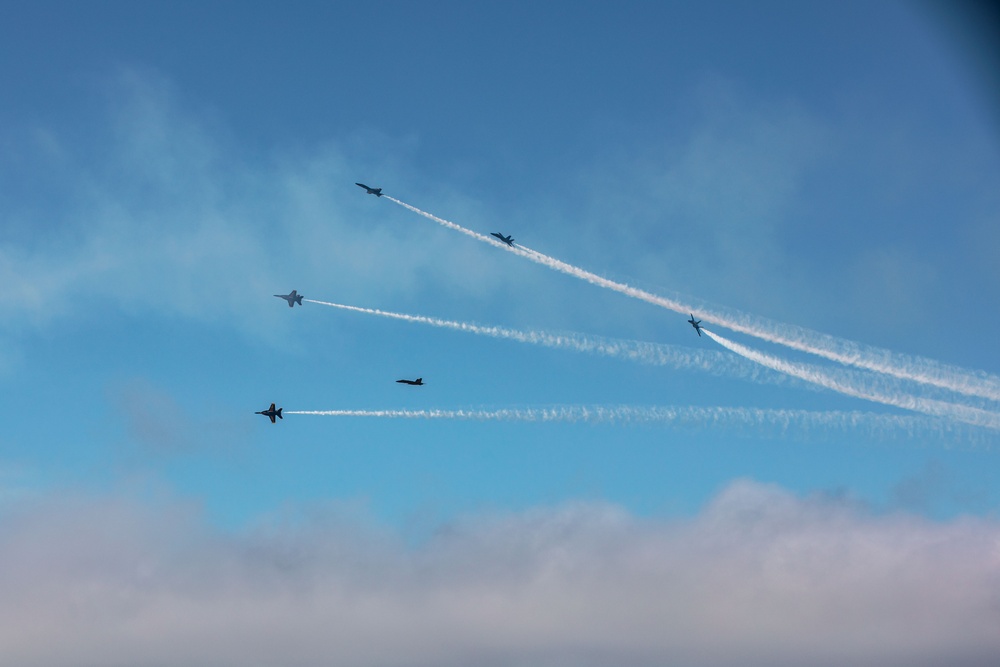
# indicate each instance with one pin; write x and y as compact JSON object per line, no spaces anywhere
{"x":759,"y":576}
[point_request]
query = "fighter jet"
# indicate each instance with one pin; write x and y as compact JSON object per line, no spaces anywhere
{"x":292,"y":299}
{"x":417,"y":383}
{"x":696,"y":324}
{"x":372,"y":191}
{"x":509,"y":240}
{"x":271,"y":412}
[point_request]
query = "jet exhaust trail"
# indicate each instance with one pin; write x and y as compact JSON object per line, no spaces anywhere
{"x":645,"y":353}
{"x":598,"y":414}
{"x":879,"y":426}
{"x":964,"y":413}
{"x":446,"y":223}
{"x":924,"y":371}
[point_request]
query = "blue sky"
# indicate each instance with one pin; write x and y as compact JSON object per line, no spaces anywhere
{"x":804,"y":168}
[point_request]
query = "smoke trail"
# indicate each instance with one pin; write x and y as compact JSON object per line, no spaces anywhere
{"x":905,"y":367}
{"x":964,"y":413}
{"x":689,"y":415}
{"x":646,"y":353}
{"x":917,"y":369}
{"x":447,"y":223}
{"x":738,"y":419}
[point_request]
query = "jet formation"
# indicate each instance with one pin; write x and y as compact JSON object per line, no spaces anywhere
{"x":696,"y":324}
{"x":295,"y":298}
{"x":372,"y":191}
{"x":509,"y":240}
{"x":292,"y":299}
{"x":271,"y":412}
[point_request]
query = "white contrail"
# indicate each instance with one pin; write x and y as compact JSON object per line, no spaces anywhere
{"x":964,"y":413}
{"x":686,"y":415}
{"x":740,"y":419}
{"x":917,"y":369}
{"x":448,"y":223}
{"x":653,"y":354}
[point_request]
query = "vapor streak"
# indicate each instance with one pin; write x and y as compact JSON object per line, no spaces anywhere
{"x":740,"y":419}
{"x":964,"y":413}
{"x":646,"y":353}
{"x":924,"y":371}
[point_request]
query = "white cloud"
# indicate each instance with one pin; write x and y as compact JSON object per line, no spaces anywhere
{"x":168,"y":217}
{"x":758,"y":577}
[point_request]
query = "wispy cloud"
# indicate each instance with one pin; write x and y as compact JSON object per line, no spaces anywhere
{"x":160,"y":214}
{"x":787,"y":580}
{"x":156,"y":425}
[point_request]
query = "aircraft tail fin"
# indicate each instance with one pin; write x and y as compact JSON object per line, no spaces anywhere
{"x":279,"y":413}
{"x":298,"y":299}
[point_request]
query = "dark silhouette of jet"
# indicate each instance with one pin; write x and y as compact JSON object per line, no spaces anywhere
{"x":292,"y":299}
{"x":417,"y":383}
{"x":271,"y":412}
{"x":696,"y":324}
{"x":509,"y":240}
{"x":372,"y":191}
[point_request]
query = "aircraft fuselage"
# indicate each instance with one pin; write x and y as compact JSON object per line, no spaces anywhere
{"x":292,"y":299}
{"x":509,"y":240}
{"x":271,"y":412}
{"x":372,"y":191}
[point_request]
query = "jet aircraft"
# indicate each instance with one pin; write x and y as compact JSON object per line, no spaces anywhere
{"x":509,"y":240}
{"x":696,"y":324}
{"x":417,"y":383}
{"x":372,"y":191}
{"x":271,"y":412}
{"x":292,"y":299}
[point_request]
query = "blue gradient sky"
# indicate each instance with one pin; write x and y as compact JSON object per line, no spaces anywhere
{"x":165,"y":168}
